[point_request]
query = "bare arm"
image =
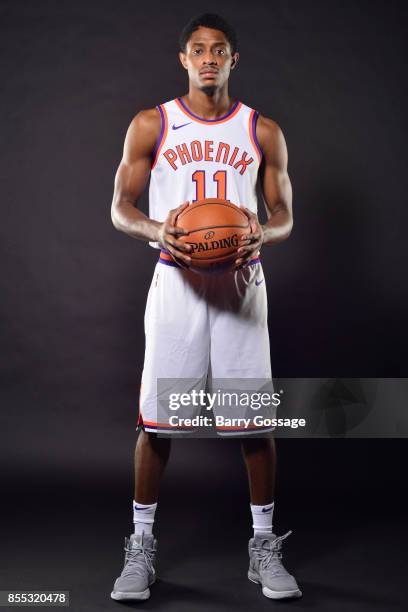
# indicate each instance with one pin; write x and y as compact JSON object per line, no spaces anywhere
{"x":276,"y":191}
{"x":130,"y":181}
{"x":275,"y":182}
{"x":132,"y":176}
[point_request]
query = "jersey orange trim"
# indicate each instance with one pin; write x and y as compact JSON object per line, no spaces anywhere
{"x":252,"y":134}
{"x":167,"y":257}
{"x":163,"y":133}
{"x":191,"y":115}
{"x":166,"y":425}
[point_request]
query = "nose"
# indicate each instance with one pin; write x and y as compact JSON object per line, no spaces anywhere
{"x":208,"y":58}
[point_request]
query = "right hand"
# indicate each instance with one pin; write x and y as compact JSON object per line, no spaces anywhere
{"x":168,"y":233}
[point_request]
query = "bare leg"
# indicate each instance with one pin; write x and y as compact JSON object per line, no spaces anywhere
{"x":151,"y":456}
{"x":260,"y":460}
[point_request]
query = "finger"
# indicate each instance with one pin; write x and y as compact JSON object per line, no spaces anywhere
{"x":179,"y":249}
{"x":243,"y":259}
{"x":180,"y":209}
{"x":246,"y":211}
{"x":176,"y":231}
{"x":173,"y":214}
{"x":247,"y":252}
{"x":253,"y":219}
{"x":250,"y":239}
{"x":178,"y":245}
{"x":182,"y":231}
{"x":244,"y":251}
{"x":181,"y":264}
{"x":183,"y":205}
{"x":249,"y":213}
{"x":254,"y":236}
{"x":183,"y":260}
{"x":182,"y":246}
{"x":241,"y":264}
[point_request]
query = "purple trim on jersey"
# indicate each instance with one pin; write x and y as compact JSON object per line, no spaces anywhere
{"x":168,"y":429}
{"x":168,"y":263}
{"x":213,"y":269}
{"x":254,"y":120}
{"x":208,"y":120}
{"x":158,"y":143}
{"x":191,"y":429}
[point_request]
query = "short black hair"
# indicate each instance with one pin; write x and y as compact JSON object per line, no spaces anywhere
{"x":208,"y":20}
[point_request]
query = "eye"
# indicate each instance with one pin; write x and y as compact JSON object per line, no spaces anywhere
{"x":196,"y":51}
{"x":221,"y":51}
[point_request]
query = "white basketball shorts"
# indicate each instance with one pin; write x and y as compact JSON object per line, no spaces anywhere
{"x":202,"y":328}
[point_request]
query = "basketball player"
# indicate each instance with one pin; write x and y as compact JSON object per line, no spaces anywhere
{"x":203,"y":144}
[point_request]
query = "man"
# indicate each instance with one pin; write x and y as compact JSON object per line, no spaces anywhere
{"x":203,"y":144}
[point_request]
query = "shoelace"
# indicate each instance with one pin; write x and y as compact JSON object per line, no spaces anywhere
{"x":132,"y":554}
{"x":266,"y":555}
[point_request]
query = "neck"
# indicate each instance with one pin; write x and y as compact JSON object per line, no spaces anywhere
{"x":208,"y":105}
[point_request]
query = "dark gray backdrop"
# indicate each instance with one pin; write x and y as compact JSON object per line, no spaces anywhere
{"x":73,"y":289}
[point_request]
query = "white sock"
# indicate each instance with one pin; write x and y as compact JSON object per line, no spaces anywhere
{"x":262,"y":518}
{"x":143,"y":517}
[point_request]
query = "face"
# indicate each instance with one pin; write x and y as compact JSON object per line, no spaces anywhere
{"x":208,"y":58}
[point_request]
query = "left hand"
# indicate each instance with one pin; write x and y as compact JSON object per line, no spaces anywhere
{"x":251,"y":242}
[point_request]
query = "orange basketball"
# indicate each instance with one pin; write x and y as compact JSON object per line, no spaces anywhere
{"x":215,"y":228}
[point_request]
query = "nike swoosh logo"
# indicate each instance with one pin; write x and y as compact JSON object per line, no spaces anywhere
{"x":137,"y":508}
{"x":177,"y":127}
{"x":267,"y":509}
{"x":257,"y":283}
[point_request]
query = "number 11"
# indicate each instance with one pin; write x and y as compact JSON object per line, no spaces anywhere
{"x":220,"y":177}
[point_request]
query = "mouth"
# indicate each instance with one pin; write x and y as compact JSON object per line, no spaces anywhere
{"x":208,"y":74}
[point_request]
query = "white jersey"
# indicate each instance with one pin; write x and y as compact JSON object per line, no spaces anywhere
{"x":199,"y":158}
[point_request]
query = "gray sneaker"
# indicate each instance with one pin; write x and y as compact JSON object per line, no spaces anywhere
{"x":265,"y":566}
{"x":138,"y":571}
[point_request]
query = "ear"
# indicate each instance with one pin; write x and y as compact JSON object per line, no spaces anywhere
{"x":235,"y":59}
{"x":182,"y":58}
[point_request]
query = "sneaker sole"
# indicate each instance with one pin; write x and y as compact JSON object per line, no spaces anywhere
{"x":123,"y":596}
{"x":275,"y":594}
